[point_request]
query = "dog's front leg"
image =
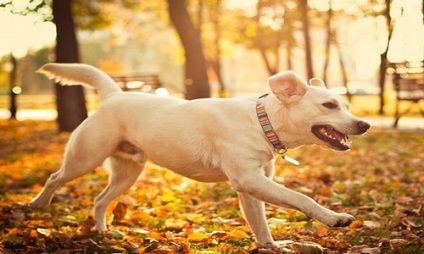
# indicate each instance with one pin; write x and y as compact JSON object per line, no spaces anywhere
{"x":254,"y":213}
{"x":258,"y":186}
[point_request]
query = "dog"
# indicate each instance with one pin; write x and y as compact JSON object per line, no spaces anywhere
{"x":208,"y":140}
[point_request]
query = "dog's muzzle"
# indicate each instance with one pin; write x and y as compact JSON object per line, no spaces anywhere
{"x":336,"y":139}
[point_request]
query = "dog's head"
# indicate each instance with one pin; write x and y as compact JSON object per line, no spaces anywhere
{"x":315,"y":114}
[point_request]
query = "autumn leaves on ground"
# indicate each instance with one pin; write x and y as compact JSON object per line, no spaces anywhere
{"x":380,"y":182}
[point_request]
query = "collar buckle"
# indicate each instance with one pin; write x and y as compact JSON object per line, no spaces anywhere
{"x":283,"y":150}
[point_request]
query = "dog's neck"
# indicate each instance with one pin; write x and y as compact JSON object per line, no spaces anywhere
{"x":279,"y":118}
{"x":267,"y":127}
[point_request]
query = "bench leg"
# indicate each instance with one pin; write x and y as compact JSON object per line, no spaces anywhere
{"x":398,"y":114}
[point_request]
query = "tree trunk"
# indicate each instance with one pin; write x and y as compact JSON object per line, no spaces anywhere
{"x":259,"y":38}
{"x":303,"y":5}
{"x":289,"y":35}
{"x":328,"y":44}
{"x":383,"y":59}
{"x":216,"y":59}
{"x":12,"y":80}
{"x":70,"y":100}
{"x":343,"y":70}
{"x":196,"y":78}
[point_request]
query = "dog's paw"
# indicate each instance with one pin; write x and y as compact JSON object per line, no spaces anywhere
{"x":341,"y":220}
{"x":270,"y":248}
{"x":38,"y":204}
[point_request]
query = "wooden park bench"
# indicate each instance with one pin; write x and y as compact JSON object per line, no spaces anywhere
{"x":408,"y":80}
{"x":137,"y":81}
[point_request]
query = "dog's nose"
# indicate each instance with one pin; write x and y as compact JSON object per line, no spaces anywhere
{"x":363,"y":126}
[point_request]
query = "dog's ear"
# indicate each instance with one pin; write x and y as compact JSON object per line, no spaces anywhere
{"x":317,"y":82}
{"x":287,"y":86}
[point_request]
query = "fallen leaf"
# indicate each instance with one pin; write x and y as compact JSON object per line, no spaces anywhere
{"x":88,"y":224}
{"x":321,"y":231}
{"x":181,"y":248}
{"x":196,"y":237}
{"x":372,"y":224}
{"x":326,"y":191}
{"x":33,"y":233}
{"x":365,"y":249}
{"x":356,"y":224}
{"x":238,"y":234}
{"x":309,"y":247}
{"x":44,"y":231}
{"x":175,"y":224}
{"x":156,"y":236}
{"x":120,"y":211}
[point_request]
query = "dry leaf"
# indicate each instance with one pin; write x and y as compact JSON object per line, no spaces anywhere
{"x":196,"y":237}
{"x":372,"y":224}
{"x":120,"y":211}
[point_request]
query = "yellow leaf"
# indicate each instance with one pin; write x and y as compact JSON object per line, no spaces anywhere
{"x":195,"y":217}
{"x":168,"y":197}
{"x":339,"y":187}
{"x":196,"y":237}
{"x":238,"y":234}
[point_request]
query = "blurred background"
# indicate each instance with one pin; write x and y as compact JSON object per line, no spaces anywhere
{"x":208,"y":48}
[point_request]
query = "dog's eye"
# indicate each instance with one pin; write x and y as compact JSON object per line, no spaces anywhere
{"x":330,"y":105}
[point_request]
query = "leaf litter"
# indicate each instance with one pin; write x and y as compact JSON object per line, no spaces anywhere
{"x":380,"y":182}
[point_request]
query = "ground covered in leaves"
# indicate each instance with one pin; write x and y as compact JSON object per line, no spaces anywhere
{"x":380,"y":181}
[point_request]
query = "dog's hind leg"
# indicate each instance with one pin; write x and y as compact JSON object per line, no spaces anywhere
{"x":86,"y":149}
{"x":124,"y":173}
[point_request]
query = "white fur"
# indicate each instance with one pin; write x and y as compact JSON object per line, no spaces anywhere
{"x":208,"y":140}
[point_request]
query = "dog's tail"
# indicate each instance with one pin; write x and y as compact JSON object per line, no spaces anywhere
{"x":81,"y":74}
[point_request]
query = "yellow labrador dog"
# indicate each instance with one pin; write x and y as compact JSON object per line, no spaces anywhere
{"x":211,"y":140}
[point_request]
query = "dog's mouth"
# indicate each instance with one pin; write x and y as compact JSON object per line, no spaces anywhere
{"x":334,"y":138}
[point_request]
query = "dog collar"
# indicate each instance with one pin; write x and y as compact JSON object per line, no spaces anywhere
{"x":267,"y":127}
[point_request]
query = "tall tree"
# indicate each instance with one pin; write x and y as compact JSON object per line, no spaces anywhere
{"x":332,"y":39}
{"x":303,"y":7}
{"x":270,"y":36}
{"x":70,"y":100}
{"x":328,"y":42}
{"x":215,"y":52}
{"x":383,"y":57}
{"x":196,"y":78}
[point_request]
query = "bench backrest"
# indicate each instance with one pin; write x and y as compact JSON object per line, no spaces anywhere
{"x":408,"y":81}
{"x":134,"y":81}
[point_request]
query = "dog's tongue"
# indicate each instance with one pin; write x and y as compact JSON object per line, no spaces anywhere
{"x":339,"y":136}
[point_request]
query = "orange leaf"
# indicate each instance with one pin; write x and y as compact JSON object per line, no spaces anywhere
{"x":322,"y":231}
{"x":15,"y":231}
{"x":326,"y":191}
{"x":33,"y":233}
{"x":156,"y":236}
{"x":356,"y":224}
{"x":139,"y":216}
{"x":120,"y":211}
